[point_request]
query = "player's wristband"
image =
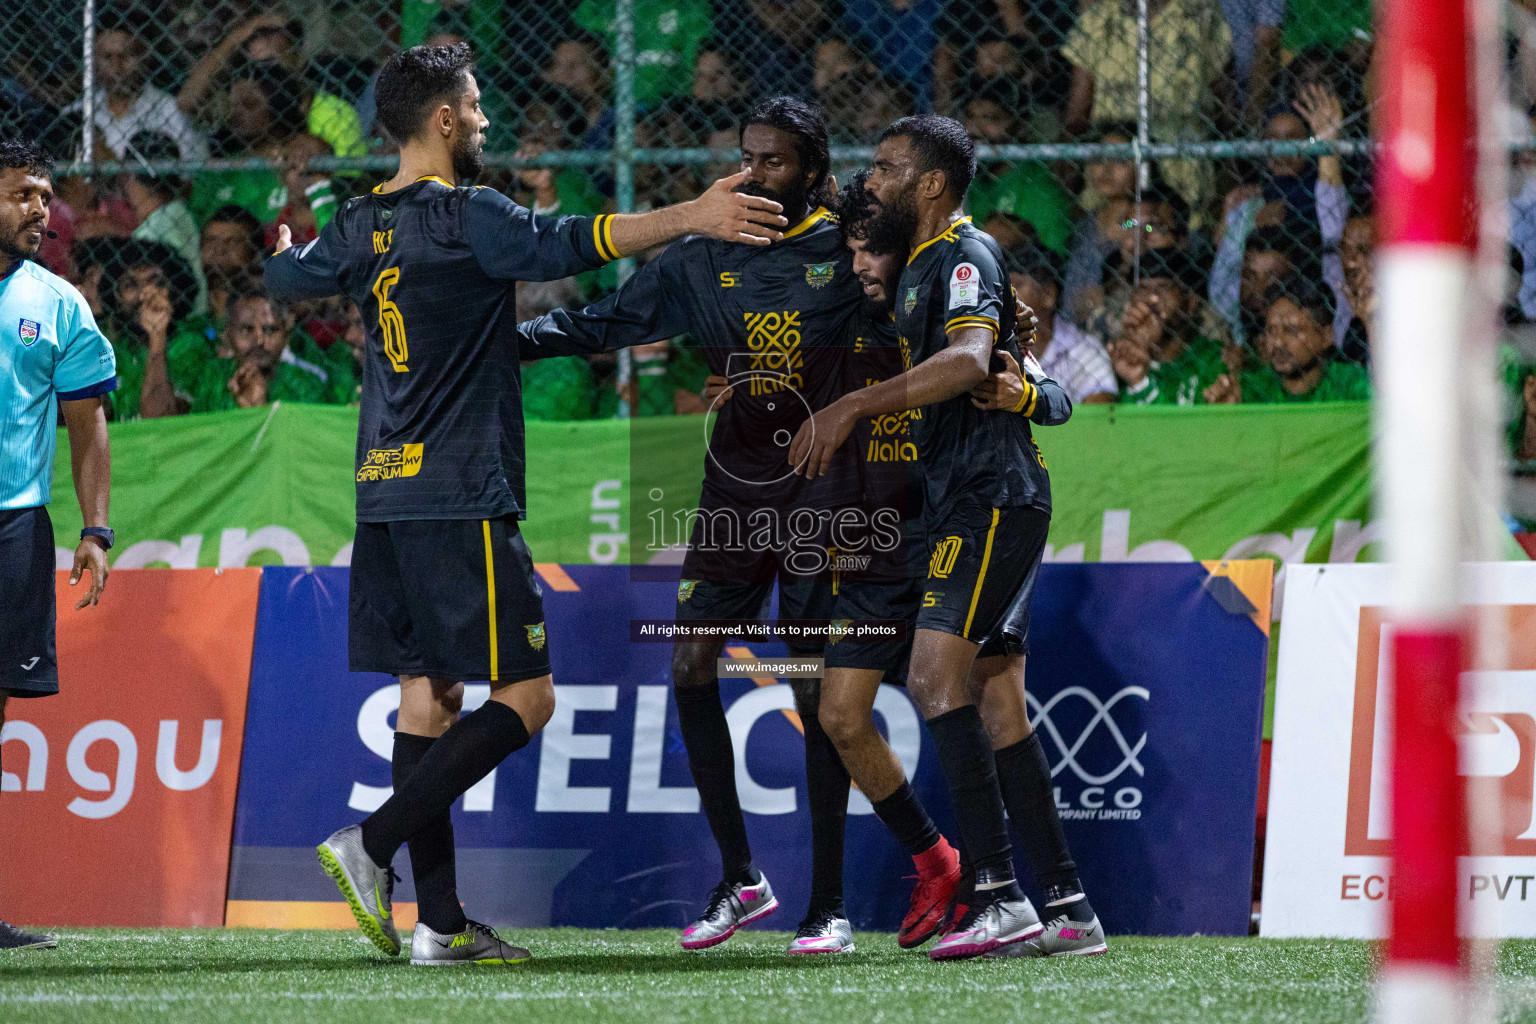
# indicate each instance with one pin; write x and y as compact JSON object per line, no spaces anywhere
{"x":1026,"y":400}
{"x":101,"y":533}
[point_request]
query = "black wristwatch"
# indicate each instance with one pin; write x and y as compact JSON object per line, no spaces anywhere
{"x":101,"y":533}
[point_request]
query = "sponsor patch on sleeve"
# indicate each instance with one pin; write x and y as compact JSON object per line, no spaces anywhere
{"x":964,"y":286}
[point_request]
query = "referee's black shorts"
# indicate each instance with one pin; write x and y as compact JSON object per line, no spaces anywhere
{"x":981,"y":575}
{"x":28,"y":663}
{"x":450,"y":598}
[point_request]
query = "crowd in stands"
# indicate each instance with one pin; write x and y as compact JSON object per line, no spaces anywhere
{"x":1206,"y":281}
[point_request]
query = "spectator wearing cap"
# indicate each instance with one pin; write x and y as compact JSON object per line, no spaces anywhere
{"x":1069,"y":355}
{"x":1188,"y":48}
{"x":262,"y":358}
{"x":162,"y":213}
{"x":1159,"y":354}
{"x":1297,"y":353}
{"x":267,"y":117}
{"x":1026,"y":189}
{"x":124,"y":105}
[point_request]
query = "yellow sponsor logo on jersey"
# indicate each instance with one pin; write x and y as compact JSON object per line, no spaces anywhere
{"x":777,"y":362}
{"x":391,"y":463}
{"x":536,"y":636}
{"x":729,"y":279}
{"x":943,"y":561}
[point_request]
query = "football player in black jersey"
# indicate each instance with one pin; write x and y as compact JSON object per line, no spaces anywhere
{"x":775,"y":323}
{"x":443,"y":588}
{"x":855,"y":670}
{"x":986,"y":493}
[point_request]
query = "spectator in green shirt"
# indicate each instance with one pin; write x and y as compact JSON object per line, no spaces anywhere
{"x":148,"y":291}
{"x":268,"y":109}
{"x":261,"y":359}
{"x":162,"y":213}
{"x":667,"y":38}
{"x":1297,"y":350}
{"x":1158,"y":354}
{"x":1027,"y":190}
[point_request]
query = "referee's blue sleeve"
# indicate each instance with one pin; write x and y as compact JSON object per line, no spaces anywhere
{"x":512,"y":243}
{"x":86,"y":366}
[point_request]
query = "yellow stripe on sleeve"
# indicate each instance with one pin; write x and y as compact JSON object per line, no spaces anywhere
{"x":971,"y":321}
{"x":608,"y":237}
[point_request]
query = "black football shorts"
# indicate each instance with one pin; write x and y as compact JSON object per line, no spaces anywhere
{"x":28,"y":662}
{"x":981,"y":575}
{"x":450,"y":598}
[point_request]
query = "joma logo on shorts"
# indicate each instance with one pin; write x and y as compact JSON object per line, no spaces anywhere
{"x":390,"y":463}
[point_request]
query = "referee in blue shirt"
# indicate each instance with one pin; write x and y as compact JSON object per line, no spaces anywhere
{"x":52,"y":356}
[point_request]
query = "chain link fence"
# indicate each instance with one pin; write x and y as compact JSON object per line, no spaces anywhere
{"x":1162,"y":174}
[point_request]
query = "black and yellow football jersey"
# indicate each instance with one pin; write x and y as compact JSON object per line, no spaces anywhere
{"x":773,"y":319}
{"x":433,"y":270}
{"x":968,"y":454}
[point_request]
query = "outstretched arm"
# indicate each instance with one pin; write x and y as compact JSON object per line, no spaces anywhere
{"x":646,"y":308}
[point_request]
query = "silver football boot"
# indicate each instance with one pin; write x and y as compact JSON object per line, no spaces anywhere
{"x":986,"y":927}
{"x":1063,"y":936}
{"x":732,"y":905}
{"x":476,"y":944}
{"x":822,"y":933}
{"x":367,"y":887}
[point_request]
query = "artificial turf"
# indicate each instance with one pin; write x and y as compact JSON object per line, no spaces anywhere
{"x":639,"y":977}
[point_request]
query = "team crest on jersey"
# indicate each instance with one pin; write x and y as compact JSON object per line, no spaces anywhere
{"x":910,"y":302}
{"x":29,"y":330}
{"x":536,"y":636}
{"x":840,"y":629}
{"x":819,"y":275}
{"x":685,"y":589}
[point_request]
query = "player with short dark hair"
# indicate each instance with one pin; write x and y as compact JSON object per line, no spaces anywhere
{"x":54,"y":358}
{"x":443,"y":586}
{"x":773,"y":323}
{"x":986,"y":494}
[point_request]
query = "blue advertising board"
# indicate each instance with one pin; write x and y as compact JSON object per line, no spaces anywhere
{"x":1146,"y":683}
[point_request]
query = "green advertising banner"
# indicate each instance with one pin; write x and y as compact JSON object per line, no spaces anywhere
{"x":274,"y":486}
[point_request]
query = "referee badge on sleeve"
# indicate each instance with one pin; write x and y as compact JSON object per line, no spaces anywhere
{"x":28,"y":331}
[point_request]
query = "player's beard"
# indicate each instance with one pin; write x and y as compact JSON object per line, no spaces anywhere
{"x":14,"y":246}
{"x":793,"y":200}
{"x":893,"y":224}
{"x":468,"y":155}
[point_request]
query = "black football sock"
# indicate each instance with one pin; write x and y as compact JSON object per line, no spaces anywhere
{"x":712,"y":760}
{"x":432,"y":861}
{"x":1024,"y":775}
{"x":966,"y":755}
{"x":908,"y":821}
{"x":461,"y":757}
{"x":826,"y":782}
